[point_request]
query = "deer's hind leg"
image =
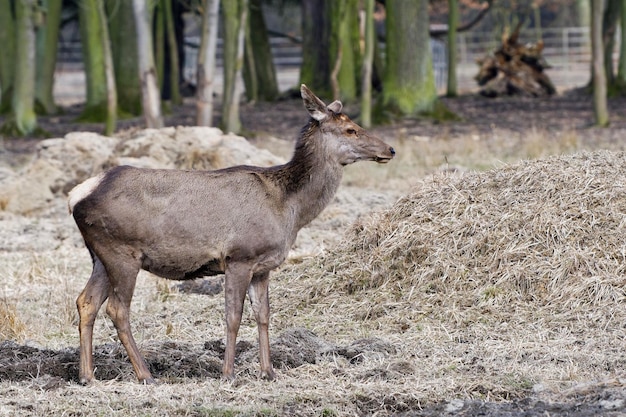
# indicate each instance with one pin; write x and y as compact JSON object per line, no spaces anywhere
{"x":88,"y":304}
{"x":122,"y":271}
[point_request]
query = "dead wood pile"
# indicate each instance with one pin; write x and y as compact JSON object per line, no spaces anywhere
{"x":514,"y":69}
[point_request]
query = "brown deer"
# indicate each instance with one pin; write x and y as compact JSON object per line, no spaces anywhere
{"x":239,"y":221}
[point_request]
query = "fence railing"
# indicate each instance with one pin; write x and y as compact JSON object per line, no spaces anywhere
{"x":567,"y":50}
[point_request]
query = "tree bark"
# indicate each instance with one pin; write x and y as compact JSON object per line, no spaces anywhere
{"x":583,"y":12}
{"x":150,"y":97}
{"x":7,"y":63}
{"x":91,"y":32}
{"x":368,"y":61}
{"x":316,"y":62}
{"x":158,"y":30}
{"x":206,"y":64}
{"x":235,"y":18}
{"x":24,"y":84}
{"x":125,"y":59}
{"x":109,"y":71}
{"x":409,"y":84}
{"x":621,"y":67}
{"x":344,"y":46}
{"x":609,"y":27}
{"x":172,"y":63}
{"x":47,"y":40}
{"x":258,"y":71}
{"x":600,"y":107}
{"x":453,"y":22}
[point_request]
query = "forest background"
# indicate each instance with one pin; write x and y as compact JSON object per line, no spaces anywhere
{"x":137,"y":56}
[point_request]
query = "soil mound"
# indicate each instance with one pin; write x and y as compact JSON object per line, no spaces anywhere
{"x":59,"y":164}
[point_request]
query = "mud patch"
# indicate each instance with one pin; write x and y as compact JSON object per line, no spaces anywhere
{"x":20,"y":363}
{"x":170,"y":361}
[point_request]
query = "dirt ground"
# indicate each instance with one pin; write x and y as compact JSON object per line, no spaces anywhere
{"x":490,"y":131}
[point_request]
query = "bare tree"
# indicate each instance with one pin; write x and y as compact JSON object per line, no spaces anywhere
{"x":7,"y":63}
{"x":47,"y":39}
{"x":621,"y":67}
{"x":206,"y":64}
{"x":122,"y":28}
{"x":150,"y":96}
{"x":368,"y":61}
{"x":259,"y":73}
{"x":409,"y":84}
{"x":235,"y":18}
{"x":453,"y":22}
{"x":109,"y":73}
{"x":91,"y":34}
{"x":24,"y":85}
{"x":600,"y":107}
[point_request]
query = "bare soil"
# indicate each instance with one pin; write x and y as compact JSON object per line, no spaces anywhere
{"x":489,"y":130}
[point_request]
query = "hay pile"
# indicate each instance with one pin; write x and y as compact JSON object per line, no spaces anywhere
{"x":493,"y":247}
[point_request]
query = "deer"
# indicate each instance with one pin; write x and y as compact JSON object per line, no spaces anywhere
{"x":239,"y":221}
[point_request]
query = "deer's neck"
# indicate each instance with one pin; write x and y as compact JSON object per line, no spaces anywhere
{"x":311,"y":178}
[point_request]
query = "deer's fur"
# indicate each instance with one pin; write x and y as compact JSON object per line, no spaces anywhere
{"x":180,"y":225}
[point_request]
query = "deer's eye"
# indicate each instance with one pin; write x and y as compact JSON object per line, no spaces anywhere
{"x":351,"y":132}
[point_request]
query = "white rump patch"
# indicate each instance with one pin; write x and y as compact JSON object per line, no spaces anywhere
{"x":82,"y":190}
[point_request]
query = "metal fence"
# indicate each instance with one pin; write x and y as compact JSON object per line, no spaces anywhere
{"x":567,"y":50}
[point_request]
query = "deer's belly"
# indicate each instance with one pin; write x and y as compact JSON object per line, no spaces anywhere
{"x":183,"y":267}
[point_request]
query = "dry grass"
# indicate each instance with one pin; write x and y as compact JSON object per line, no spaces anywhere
{"x":11,"y":327}
{"x":486,"y":285}
{"x":489,"y":282}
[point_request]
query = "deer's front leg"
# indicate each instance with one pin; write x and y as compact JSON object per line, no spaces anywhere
{"x":259,"y":297}
{"x":238,"y":277}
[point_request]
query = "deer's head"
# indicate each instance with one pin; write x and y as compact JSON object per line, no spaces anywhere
{"x":343,"y":139}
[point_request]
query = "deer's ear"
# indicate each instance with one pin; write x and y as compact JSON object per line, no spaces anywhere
{"x":312,"y":103}
{"x":335,"y":106}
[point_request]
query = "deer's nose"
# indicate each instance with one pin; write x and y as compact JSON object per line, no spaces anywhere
{"x":392,"y":151}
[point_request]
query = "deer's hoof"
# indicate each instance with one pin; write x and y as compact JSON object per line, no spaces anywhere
{"x":86,"y":380}
{"x":228,"y":377}
{"x":268,"y":375}
{"x":148,"y":381}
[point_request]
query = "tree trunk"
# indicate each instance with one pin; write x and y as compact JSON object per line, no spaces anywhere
{"x":621,"y":67}
{"x":24,"y":85}
{"x":316,"y":62}
{"x":599,"y":76}
{"x":609,"y":27}
{"x":235,"y":18}
{"x":259,"y":72}
{"x":368,"y":61}
{"x":583,"y":13}
{"x":109,"y":71}
{"x":206,"y":64}
{"x":91,"y":32}
{"x":7,"y":63}
{"x":453,"y":23}
{"x":249,"y":70}
{"x":171,"y":74}
{"x":150,"y":97}
{"x":344,"y":49}
{"x":158,"y":25}
{"x":409,"y":84}
{"x":125,"y":59}
{"x":47,"y":40}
